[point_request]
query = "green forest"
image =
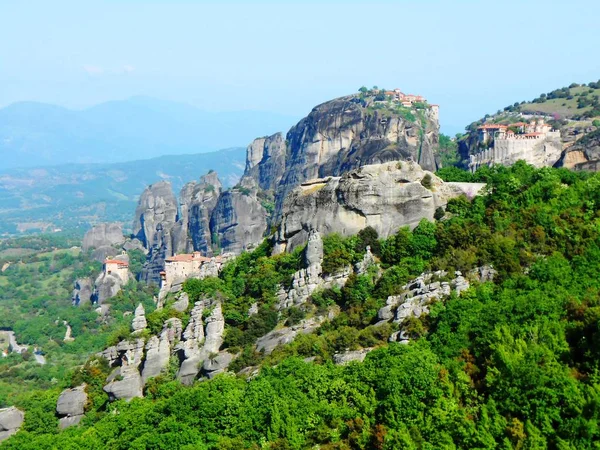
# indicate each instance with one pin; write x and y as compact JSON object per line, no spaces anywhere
{"x":511,"y":364}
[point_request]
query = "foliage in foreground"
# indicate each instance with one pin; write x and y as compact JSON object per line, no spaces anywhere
{"x":509,"y":364}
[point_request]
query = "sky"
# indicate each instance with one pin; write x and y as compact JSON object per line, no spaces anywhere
{"x":470,"y":57}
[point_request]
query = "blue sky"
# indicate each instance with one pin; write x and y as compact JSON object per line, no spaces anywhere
{"x":471,"y":57}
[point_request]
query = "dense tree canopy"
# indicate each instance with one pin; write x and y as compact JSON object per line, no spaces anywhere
{"x":512,"y":363}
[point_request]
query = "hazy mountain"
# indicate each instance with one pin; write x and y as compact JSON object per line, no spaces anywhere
{"x":35,"y":134}
{"x":76,"y":195}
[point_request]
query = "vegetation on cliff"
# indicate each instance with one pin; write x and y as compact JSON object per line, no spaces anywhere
{"x":512,"y":363}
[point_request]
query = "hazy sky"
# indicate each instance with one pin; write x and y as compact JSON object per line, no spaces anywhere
{"x":471,"y":57}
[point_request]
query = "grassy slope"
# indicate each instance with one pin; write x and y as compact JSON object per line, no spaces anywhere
{"x":561,"y":106}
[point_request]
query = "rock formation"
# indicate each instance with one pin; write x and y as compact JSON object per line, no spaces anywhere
{"x":125,"y":382}
{"x":347,"y":133}
{"x":103,"y":238}
{"x":384,"y":196}
{"x":155,"y":218}
{"x":11,"y":420}
{"x":108,"y":284}
{"x":583,"y":154}
{"x":203,"y":200}
{"x":82,"y":291}
{"x":285,"y":335}
{"x":138,"y":323}
{"x":239,"y":220}
{"x":265,"y":161}
{"x":71,"y":406}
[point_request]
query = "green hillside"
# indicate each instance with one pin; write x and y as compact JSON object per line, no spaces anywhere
{"x":35,"y":298}
{"x":509,"y":363}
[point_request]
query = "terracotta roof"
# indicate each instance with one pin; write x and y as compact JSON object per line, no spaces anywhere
{"x":187,"y":257}
{"x":116,"y":261}
{"x":491,"y":126}
{"x":518,"y":124}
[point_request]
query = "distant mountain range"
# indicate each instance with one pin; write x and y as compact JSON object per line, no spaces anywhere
{"x":73,"y":196}
{"x":36,"y":134}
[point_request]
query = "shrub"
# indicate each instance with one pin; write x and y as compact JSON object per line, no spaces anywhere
{"x":427,"y":181}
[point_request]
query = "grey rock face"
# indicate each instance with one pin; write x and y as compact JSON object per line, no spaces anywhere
{"x":216,"y":365}
{"x":71,"y":406}
{"x":102,"y":236}
{"x":584,"y":154}
{"x":350,"y":356}
{"x":197,"y":202}
{"x":139,"y":319}
{"x":343,"y":134}
{"x":11,"y":420}
{"x":194,"y":352}
{"x":215,"y":328}
{"x":239,"y":220}
{"x":155,"y":219}
{"x":82,"y":292}
{"x":106,"y":286}
{"x":125,"y":382}
{"x":271,"y":340}
{"x":265,"y":161}
{"x":158,"y":352}
{"x":305,"y":281}
{"x":182,"y":302}
{"x":385,"y":196}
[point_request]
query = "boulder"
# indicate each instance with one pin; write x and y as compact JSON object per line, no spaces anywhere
{"x":11,"y":420}
{"x":350,"y":356}
{"x":158,"y":353}
{"x":218,"y":364}
{"x":285,"y":335}
{"x":182,"y":303}
{"x":70,"y":406}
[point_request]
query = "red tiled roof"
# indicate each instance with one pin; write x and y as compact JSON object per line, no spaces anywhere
{"x":491,"y":126}
{"x":116,"y":261}
{"x":187,"y":257}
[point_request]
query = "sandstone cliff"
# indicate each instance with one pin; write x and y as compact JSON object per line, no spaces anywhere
{"x":384,"y":196}
{"x":349,"y":132}
{"x":154,"y":223}
{"x":102,"y":239}
{"x":197,"y":202}
{"x":239,"y":220}
{"x":584,"y":154}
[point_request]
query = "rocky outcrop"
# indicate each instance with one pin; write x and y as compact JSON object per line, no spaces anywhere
{"x":239,"y":220}
{"x":583,"y":154}
{"x":138,"y":323}
{"x":217,"y":364}
{"x":158,"y":349}
{"x":350,"y":356}
{"x":349,"y":132}
{"x":197,"y":202}
{"x":384,"y":196}
{"x":125,"y":382}
{"x":285,"y":335}
{"x":82,"y":291}
{"x":265,"y":161}
{"x":71,"y":406}
{"x":107,"y":285}
{"x":420,"y":293}
{"x":11,"y":420}
{"x":155,"y":218}
{"x":195,"y":352}
{"x":103,"y":238}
